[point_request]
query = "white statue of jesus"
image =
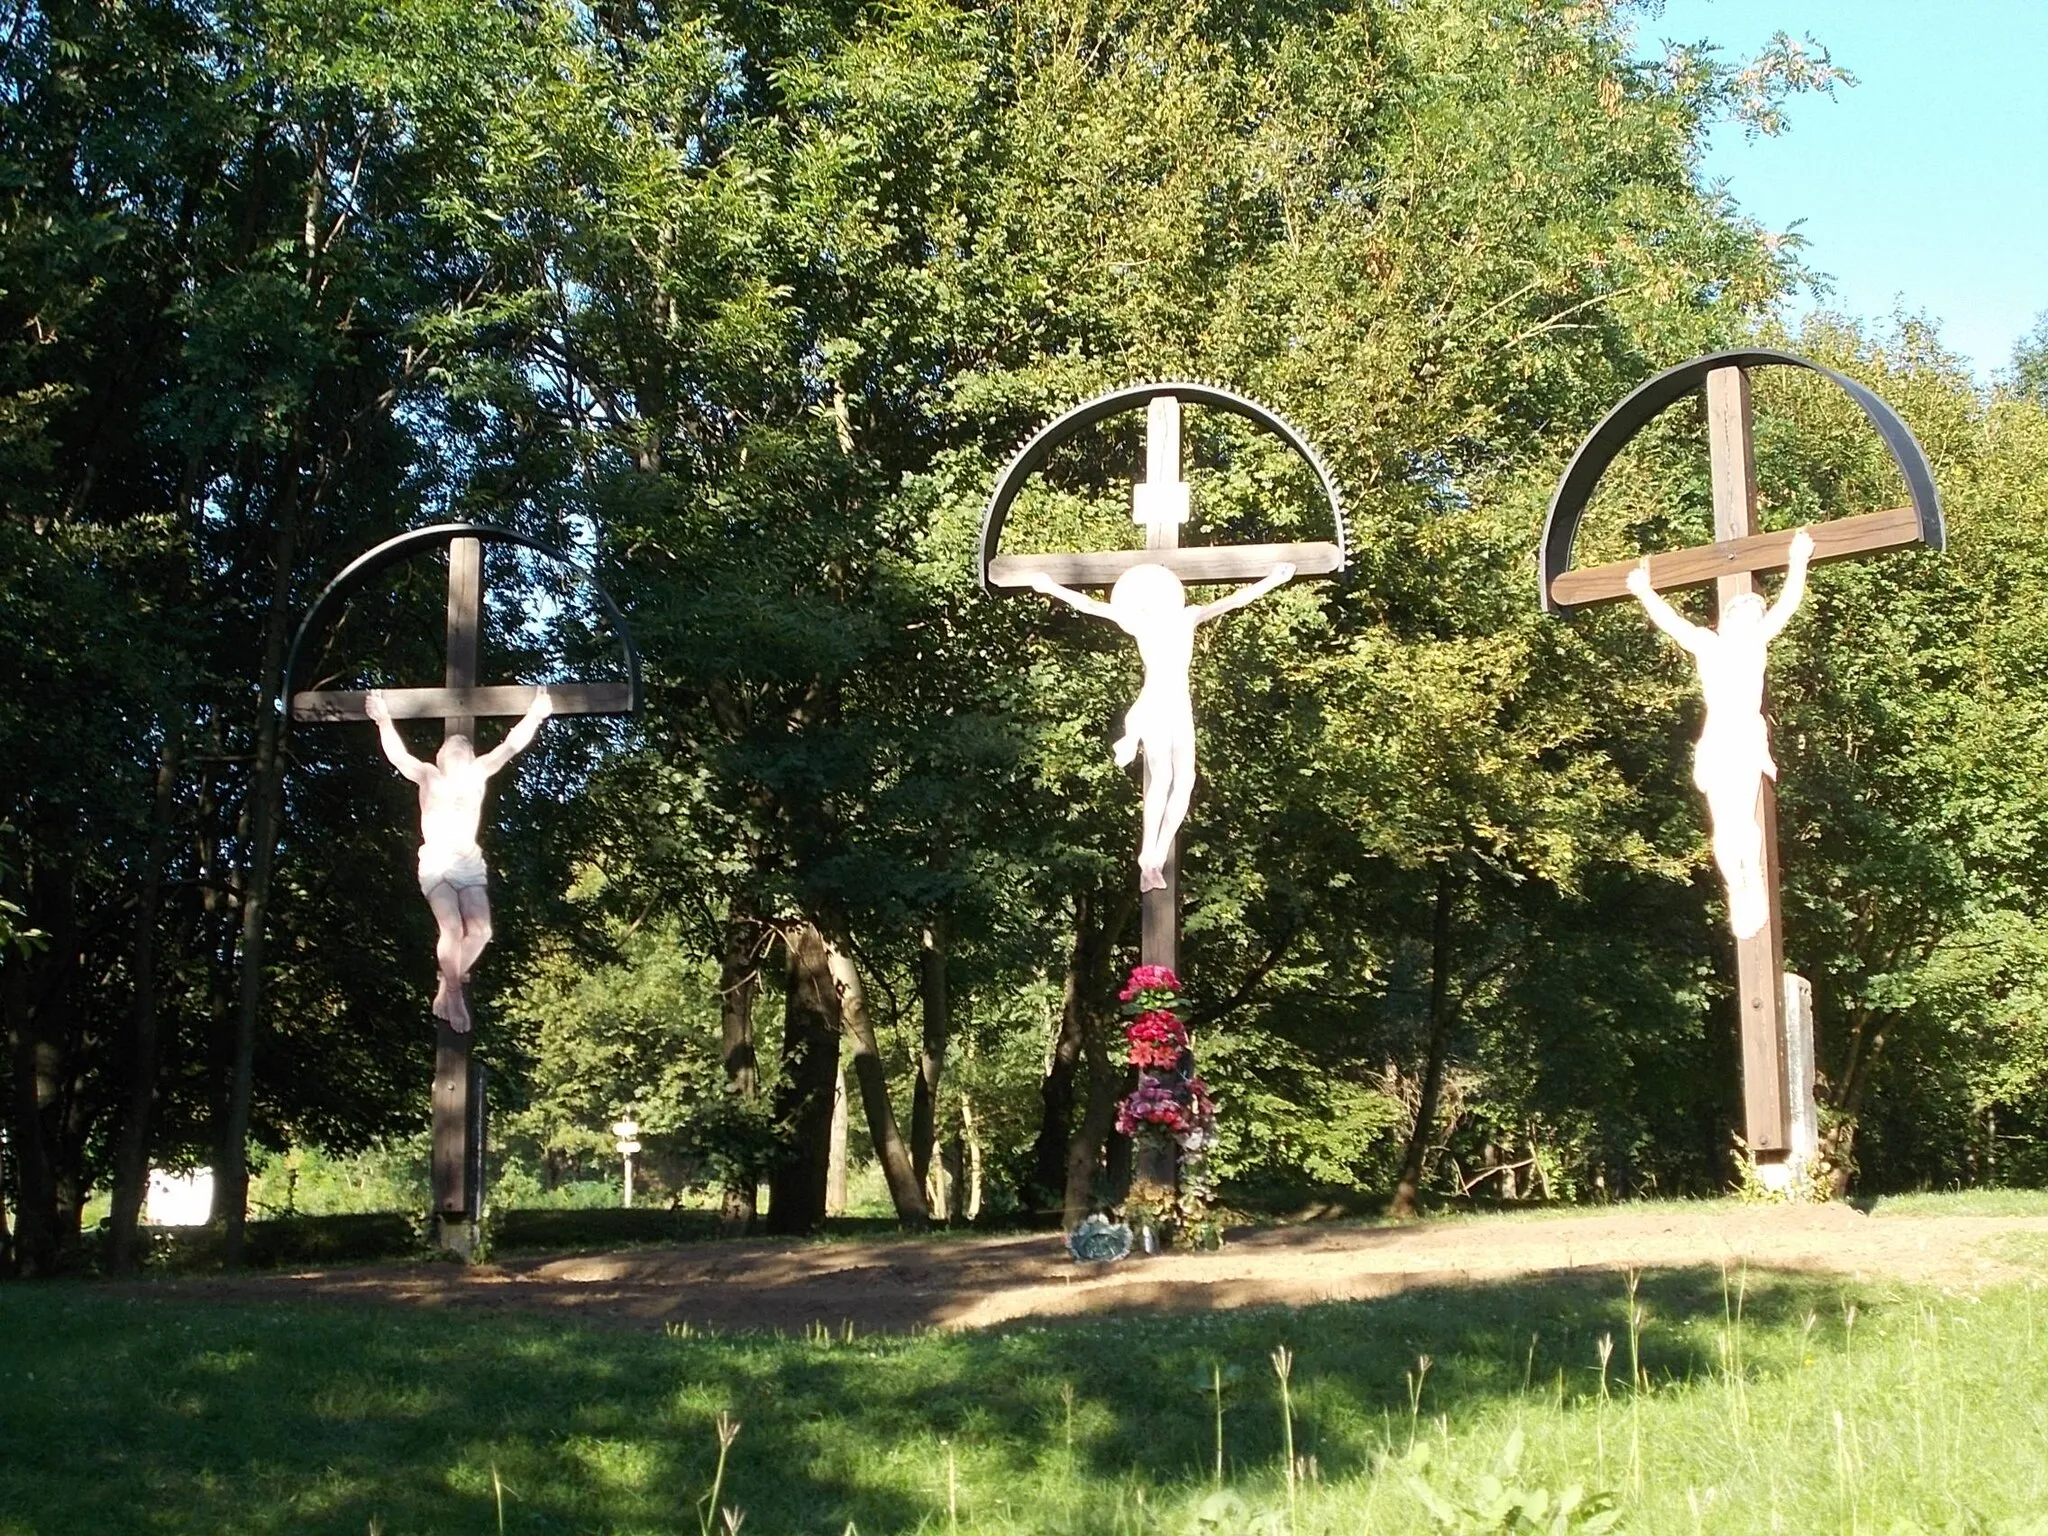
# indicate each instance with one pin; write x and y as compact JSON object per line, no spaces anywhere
{"x":452,"y":873}
{"x":1734,"y":753}
{"x":1149,"y":604}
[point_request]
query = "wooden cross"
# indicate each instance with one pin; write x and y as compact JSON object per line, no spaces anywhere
{"x":1160,"y":502}
{"x":458,"y":1134}
{"x":1732,"y":562}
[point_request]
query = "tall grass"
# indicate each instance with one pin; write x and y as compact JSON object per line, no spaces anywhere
{"x":1751,"y":1403}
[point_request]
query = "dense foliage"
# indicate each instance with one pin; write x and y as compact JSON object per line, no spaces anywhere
{"x":746,"y":305}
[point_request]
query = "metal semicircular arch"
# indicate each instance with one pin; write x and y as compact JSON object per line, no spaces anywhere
{"x":1037,"y":448}
{"x":1651,"y":398}
{"x":403,"y":547}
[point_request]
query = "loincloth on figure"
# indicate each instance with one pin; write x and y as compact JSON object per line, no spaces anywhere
{"x":1161,"y":716}
{"x":1732,"y":756}
{"x":462,"y":871}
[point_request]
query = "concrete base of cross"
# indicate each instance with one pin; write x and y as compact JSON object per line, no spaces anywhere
{"x":1787,"y":1175}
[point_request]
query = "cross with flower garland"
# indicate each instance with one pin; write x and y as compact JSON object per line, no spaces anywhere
{"x":1170,"y":1099}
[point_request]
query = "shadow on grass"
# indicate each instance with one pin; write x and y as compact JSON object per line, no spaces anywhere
{"x":127,"y":1412}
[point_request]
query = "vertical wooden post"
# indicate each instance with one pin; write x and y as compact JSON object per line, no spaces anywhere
{"x":456,"y":1133}
{"x":1760,"y":959}
{"x":1159,"y":911}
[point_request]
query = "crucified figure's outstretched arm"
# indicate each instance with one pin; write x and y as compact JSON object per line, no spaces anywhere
{"x":1795,"y":586}
{"x":520,"y":737}
{"x":387,"y":734}
{"x":1662,"y":614}
{"x":1280,"y":574}
{"x":1093,"y":607}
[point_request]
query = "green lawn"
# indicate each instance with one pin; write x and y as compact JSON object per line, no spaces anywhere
{"x":1777,"y":1404}
{"x":1964,"y":1202}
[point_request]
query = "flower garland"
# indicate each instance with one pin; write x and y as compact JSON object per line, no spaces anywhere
{"x":1171,"y":1100}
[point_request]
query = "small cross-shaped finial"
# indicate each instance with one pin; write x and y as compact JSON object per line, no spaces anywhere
{"x":1160,"y":500}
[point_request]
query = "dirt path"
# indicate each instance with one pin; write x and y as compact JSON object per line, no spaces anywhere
{"x":899,"y":1286}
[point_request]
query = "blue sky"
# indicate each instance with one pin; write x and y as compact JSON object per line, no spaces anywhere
{"x":1926,"y":184}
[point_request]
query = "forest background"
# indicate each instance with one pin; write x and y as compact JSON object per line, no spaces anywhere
{"x":746,"y":305}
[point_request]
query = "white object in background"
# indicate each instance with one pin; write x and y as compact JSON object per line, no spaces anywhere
{"x":628,"y":1133}
{"x":1734,"y":753}
{"x":178,"y":1199}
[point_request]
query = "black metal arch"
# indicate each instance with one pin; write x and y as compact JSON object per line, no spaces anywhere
{"x":1650,"y":399}
{"x":1037,"y":448}
{"x":403,"y":547}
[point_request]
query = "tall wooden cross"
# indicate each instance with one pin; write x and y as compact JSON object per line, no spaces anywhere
{"x":458,"y":1109}
{"x":1160,"y":502}
{"x":1771,"y":1064}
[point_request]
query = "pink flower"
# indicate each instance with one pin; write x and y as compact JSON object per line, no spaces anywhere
{"x":1149,"y":978}
{"x":1151,"y":1104}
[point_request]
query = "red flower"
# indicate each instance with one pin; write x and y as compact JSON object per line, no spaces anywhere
{"x":1152,"y":1053}
{"x":1158,"y":1027}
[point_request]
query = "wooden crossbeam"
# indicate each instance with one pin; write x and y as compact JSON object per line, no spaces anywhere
{"x":1233,"y":562}
{"x":1839,"y":538}
{"x":332,"y":707}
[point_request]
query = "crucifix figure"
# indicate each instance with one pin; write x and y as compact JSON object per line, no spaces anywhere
{"x":453,"y":876}
{"x":451,"y":787}
{"x":1733,"y":758}
{"x":1149,"y":604}
{"x":1733,"y":766}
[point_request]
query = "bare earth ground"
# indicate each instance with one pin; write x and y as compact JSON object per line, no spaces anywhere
{"x":901,"y":1286}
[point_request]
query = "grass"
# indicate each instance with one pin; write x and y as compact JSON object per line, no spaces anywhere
{"x":1963,"y":1202}
{"x":1697,"y":1401}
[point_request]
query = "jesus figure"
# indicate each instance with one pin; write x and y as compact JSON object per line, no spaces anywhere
{"x":1734,"y":753}
{"x":452,"y":873}
{"x":1149,"y":604}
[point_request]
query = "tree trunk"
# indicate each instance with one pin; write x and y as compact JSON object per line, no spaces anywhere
{"x":739,"y":983}
{"x":953,"y":1178}
{"x":904,"y":1190}
{"x":971,"y":1201}
{"x":835,"y":1165}
{"x":1410,"y":1187}
{"x":810,"y":1066}
{"x":1056,"y":1108}
{"x":131,"y":1159}
{"x":266,"y":790}
{"x":1056,"y":1091}
{"x":36,"y":995}
{"x":1838,"y":1141}
{"x":1098,"y":1120}
{"x":1063,"y":1166}
{"x":936,"y":1012}
{"x":35,"y":1182}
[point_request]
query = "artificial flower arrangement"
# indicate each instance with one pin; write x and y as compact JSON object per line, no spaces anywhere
{"x":1170,"y":1101}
